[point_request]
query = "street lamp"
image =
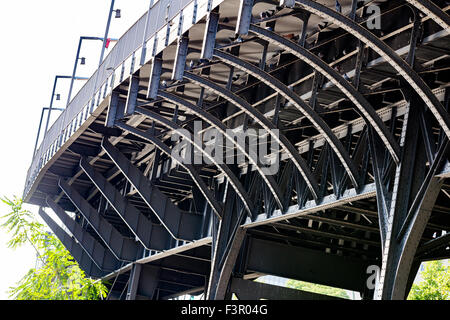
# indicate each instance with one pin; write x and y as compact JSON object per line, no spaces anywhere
{"x":105,"y":38}
{"x":82,"y":62}
{"x":58,"y":96}
{"x":117,"y":14}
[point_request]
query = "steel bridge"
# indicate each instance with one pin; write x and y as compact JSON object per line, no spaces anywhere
{"x":359,"y":91}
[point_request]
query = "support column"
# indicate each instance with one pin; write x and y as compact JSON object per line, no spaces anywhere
{"x":227,"y":241}
{"x":413,"y":196}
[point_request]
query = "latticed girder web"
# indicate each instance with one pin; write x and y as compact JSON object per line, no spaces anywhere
{"x":354,"y":93}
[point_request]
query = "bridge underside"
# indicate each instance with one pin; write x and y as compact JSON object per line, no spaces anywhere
{"x":364,"y":159}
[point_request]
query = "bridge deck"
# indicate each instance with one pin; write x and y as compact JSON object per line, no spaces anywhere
{"x":342,"y":108}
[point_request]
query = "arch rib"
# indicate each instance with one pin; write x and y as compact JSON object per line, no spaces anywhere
{"x":433,"y":11}
{"x":265,"y":123}
{"x":301,"y":105}
{"x":235,"y":183}
{"x":386,"y":52}
{"x":363,"y":106}
{"x":216,"y":123}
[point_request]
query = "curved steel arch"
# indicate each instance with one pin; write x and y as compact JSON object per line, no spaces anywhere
{"x":265,"y":123}
{"x":386,"y":52}
{"x":216,"y":123}
{"x":433,"y":11}
{"x":233,"y":180}
{"x":195,"y":175}
{"x":301,"y":105}
{"x":363,"y":106}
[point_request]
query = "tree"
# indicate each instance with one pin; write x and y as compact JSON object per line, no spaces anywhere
{"x":435,"y":284}
{"x":58,"y":276}
{"x":317,"y":288}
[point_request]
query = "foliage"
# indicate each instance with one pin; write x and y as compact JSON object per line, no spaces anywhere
{"x":58,"y":276}
{"x":435,"y":284}
{"x":317,"y":288}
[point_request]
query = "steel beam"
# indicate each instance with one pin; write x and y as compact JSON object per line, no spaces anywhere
{"x":244,"y":16}
{"x":253,"y":290}
{"x":152,"y":236}
{"x":181,"y":225}
{"x":306,"y":265}
{"x":100,"y":255}
{"x":155,"y":76}
{"x":180,"y":58}
{"x":124,"y":249}
{"x":76,"y":251}
{"x":132,"y":95}
{"x":209,"y":39}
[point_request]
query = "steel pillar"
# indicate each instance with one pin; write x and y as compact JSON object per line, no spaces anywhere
{"x":414,"y":193}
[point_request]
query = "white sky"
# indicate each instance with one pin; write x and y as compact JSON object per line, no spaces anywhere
{"x":38,"y":40}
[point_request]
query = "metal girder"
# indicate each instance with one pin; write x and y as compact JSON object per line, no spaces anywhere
{"x":301,"y":105}
{"x":133,"y":282}
{"x":113,"y":108}
{"x":100,"y":255}
{"x":244,"y":17}
{"x":180,"y":58}
{"x":434,"y":12}
{"x":84,"y":260}
{"x":307,"y":265}
{"x":387,"y":53}
{"x":253,"y":290}
{"x":204,"y":189}
{"x":209,"y":39}
{"x":217,"y":124}
{"x":124,"y":249}
{"x":132,"y":95}
{"x":433,"y":245}
{"x":155,"y":76}
{"x":364,"y":108}
{"x":181,"y":225}
{"x":235,"y":183}
{"x":152,"y":236}
{"x":265,"y":123}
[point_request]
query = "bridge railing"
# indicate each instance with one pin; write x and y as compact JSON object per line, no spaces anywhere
{"x":125,"y":55}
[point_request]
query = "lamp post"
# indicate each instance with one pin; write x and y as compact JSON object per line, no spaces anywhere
{"x":57,"y":96}
{"x":105,"y":38}
{"x":83,"y":61}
